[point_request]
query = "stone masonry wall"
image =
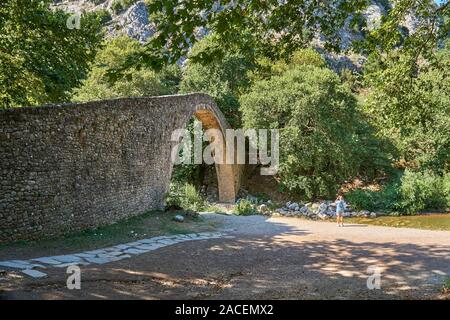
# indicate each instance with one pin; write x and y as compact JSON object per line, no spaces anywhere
{"x":77,"y":166}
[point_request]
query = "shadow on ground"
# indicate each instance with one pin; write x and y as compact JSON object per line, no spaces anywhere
{"x":282,"y":265}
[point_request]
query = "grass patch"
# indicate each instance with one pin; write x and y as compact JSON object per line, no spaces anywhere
{"x":429,"y":222}
{"x":446,"y":286}
{"x":147,"y":225}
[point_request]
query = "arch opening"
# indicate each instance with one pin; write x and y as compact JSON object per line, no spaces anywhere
{"x":227,"y":174}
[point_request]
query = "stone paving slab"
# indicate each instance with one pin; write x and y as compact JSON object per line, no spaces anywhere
{"x":123,"y":246}
{"x":67,"y":258}
{"x":104,"y":255}
{"x":47,"y":261}
{"x":34,"y":273}
{"x":134,"y":251}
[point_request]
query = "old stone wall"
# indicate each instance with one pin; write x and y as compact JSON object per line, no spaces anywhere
{"x":78,"y":166}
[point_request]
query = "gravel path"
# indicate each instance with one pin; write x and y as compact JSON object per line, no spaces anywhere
{"x":268,"y":258}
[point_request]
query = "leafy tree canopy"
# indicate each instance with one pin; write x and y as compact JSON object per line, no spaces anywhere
{"x":277,"y":28}
{"x":225,"y":79}
{"x":41,"y":59}
{"x":432,"y":27}
{"x":142,"y":82}
{"x":410,"y":105}
{"x":322,"y":141}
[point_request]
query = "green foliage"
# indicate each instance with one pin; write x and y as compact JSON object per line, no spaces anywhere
{"x":224,"y":79}
{"x":352,"y":79}
{"x":433,"y":26}
{"x":408,"y":194}
{"x":276,"y":28}
{"x":318,"y":119}
{"x":185,"y":196}
{"x":446,"y":286}
{"x":128,"y":3}
{"x":97,"y":2}
{"x":143,"y":82}
{"x":422,"y":190}
{"x":245,"y":208}
{"x":120,"y":5}
{"x":410,"y":105}
{"x":386,"y":199}
{"x":41,"y":59}
{"x":103,"y":16}
{"x":117,"y":6}
{"x":268,"y":67}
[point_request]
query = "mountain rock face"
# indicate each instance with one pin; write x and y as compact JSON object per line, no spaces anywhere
{"x":134,"y":21}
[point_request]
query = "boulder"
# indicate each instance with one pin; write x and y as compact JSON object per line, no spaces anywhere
{"x":263,"y":208}
{"x":363,"y":213}
{"x":322,"y":209}
{"x":305,"y":210}
{"x":178,"y":218}
{"x":322,"y":216}
{"x":276,"y":214}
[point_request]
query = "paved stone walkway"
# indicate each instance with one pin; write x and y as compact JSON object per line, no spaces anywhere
{"x":105,"y":255}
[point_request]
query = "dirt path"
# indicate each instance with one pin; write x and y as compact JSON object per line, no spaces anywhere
{"x":276,"y":258}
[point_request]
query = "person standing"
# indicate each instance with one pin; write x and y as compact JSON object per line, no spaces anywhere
{"x":340,"y":208}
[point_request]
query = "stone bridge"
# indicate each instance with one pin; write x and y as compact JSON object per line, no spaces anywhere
{"x":78,"y":166}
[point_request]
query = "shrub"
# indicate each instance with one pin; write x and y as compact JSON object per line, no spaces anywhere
{"x":185,"y":196}
{"x":408,"y":194}
{"x":245,"y":208}
{"x":446,"y":286}
{"x":362,"y":199}
{"x":422,"y":190}
{"x":386,"y":199}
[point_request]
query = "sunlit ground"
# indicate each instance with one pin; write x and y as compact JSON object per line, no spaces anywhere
{"x":430,"y":222}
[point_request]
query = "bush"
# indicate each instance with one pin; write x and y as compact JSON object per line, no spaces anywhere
{"x":385,"y":200}
{"x":422,"y":190}
{"x":362,"y":199}
{"x":185,"y":196}
{"x":408,"y":194}
{"x":245,"y":208}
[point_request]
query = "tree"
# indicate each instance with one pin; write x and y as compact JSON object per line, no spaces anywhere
{"x":224,"y":79}
{"x":137,"y":82}
{"x":41,"y":59}
{"x":432,"y":27}
{"x":273,"y":28}
{"x":316,"y":116}
{"x":410,"y":104}
{"x":278,"y":28}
